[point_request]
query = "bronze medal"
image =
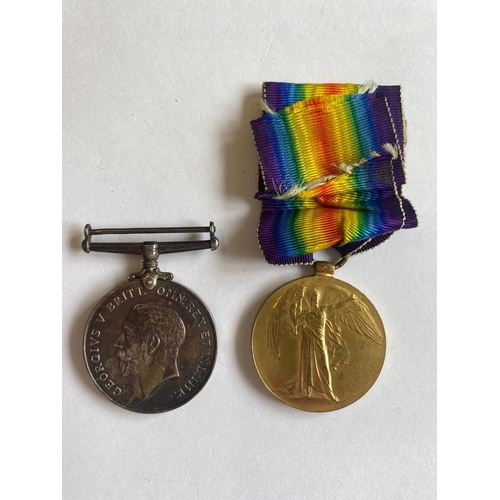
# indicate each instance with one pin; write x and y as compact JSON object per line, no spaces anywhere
{"x":332,"y":167}
{"x":150,"y":344}
{"x":318,"y":343}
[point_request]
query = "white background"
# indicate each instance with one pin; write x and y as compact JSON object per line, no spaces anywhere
{"x":156,"y":108}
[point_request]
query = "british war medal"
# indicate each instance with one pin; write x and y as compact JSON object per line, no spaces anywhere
{"x":150,"y":344}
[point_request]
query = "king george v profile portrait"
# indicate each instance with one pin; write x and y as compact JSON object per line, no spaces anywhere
{"x":148,"y":346}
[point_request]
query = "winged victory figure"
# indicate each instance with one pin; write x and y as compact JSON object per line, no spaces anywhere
{"x":318,"y":318}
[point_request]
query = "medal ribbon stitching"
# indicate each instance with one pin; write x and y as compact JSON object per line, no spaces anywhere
{"x":332,"y":169}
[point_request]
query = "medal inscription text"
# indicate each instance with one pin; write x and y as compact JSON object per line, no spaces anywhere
{"x":150,"y":350}
{"x":95,"y":358}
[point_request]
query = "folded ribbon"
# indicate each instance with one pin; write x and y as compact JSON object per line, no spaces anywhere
{"x":332,"y":167}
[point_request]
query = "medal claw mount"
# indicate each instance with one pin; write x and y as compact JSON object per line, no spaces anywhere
{"x":150,"y":274}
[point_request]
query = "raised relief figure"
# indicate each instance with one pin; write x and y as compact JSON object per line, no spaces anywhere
{"x":148,"y":346}
{"x":318,"y":320}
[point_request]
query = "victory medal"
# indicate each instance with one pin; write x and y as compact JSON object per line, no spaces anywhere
{"x":318,"y":343}
{"x":331,"y":160}
{"x":150,"y":344}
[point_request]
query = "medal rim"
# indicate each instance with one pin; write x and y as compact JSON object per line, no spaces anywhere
{"x":254,"y":335}
{"x":200,"y":387}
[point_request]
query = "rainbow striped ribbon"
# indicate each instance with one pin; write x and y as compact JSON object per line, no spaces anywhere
{"x":332,"y":168}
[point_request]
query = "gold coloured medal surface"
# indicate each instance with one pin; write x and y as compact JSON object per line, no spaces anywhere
{"x":318,"y":343}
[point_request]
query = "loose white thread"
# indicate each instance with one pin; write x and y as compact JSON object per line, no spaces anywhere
{"x":392,"y":149}
{"x":299,"y":188}
{"x":394,"y":130}
{"x":368,"y":88}
{"x":262,"y":104}
{"x":284,"y":194}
